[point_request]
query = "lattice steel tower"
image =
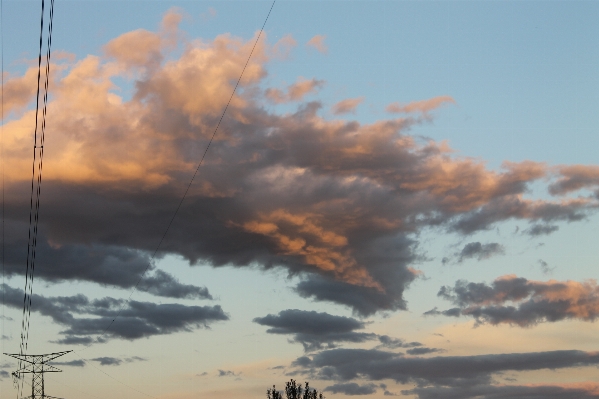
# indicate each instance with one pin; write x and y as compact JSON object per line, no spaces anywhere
{"x":38,"y":365}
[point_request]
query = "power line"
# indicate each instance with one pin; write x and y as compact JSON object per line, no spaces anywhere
{"x":190,"y":182}
{"x":2,"y":156}
{"x":36,"y":183}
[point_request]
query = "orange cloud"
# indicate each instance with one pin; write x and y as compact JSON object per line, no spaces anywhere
{"x":318,"y":43}
{"x":294,"y":92}
{"x":19,"y":91}
{"x":423,"y":106}
{"x":347,"y":106}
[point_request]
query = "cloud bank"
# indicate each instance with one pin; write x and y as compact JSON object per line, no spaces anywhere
{"x":335,"y":202}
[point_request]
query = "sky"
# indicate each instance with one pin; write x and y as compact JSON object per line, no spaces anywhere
{"x":400,"y":200}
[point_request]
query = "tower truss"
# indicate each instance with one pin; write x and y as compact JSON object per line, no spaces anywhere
{"x":37,"y":365}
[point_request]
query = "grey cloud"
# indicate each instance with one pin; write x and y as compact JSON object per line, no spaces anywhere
{"x":393,"y":343}
{"x":504,"y":392}
{"x":454,"y":371}
{"x":541,"y":229}
{"x":72,"y":363}
{"x":227,"y":373}
{"x":4,"y":374}
{"x":351,"y":388}
{"x":108,"y":361}
{"x":136,"y":319}
{"x":530,"y":302}
{"x":103,"y":264}
{"x":481,"y":251}
{"x":423,"y":351}
{"x":302,"y":361}
{"x":315,"y":330}
{"x":115,"y":361}
{"x":545,"y":267}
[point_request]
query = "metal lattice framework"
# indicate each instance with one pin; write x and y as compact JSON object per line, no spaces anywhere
{"x":37,"y":365}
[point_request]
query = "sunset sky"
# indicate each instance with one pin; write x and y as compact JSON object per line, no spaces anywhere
{"x":401,"y":200}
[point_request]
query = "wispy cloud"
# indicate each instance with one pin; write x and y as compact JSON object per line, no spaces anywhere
{"x":318,"y":43}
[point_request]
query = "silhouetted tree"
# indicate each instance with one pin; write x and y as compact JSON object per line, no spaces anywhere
{"x":293,"y":390}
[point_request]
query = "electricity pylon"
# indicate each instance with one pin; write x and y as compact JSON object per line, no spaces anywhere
{"x":38,"y":365}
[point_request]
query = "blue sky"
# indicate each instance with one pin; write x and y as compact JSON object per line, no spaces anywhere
{"x":523,"y":83}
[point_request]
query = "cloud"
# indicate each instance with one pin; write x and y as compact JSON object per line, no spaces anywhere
{"x":545,"y":267}
{"x":227,"y":373}
{"x":480,"y":251}
{"x":351,"y":388}
{"x":516,"y":300}
{"x":19,"y":91}
{"x":336,"y":203}
{"x":423,"y":106}
{"x":72,"y":363}
{"x":114,"y":361}
{"x":575,"y":177}
{"x":537,"y":391}
{"x":294,"y":92}
{"x":423,"y":351}
{"x":209,"y":14}
{"x":318,"y":43}
{"x":393,"y":343}
{"x":315,"y":330}
{"x":541,"y":229}
{"x":344,"y":365}
{"x":108,"y":265}
{"x":136,"y":320}
{"x":347,"y":106}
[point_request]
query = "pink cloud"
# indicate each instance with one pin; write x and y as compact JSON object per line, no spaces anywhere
{"x":423,"y":106}
{"x":346,"y":106}
{"x":294,"y":92}
{"x":318,"y":43}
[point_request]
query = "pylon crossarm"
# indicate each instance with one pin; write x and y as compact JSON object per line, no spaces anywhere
{"x":53,"y":356}
{"x":34,"y":358}
{"x":30,"y":369}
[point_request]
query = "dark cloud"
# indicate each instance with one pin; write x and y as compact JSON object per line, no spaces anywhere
{"x":72,"y":363}
{"x":136,"y":319}
{"x":423,"y":351}
{"x":227,"y":373}
{"x":516,"y":300}
{"x":545,"y":267}
{"x":541,"y":229}
{"x":480,"y":251}
{"x":108,"y":361}
{"x":4,"y":374}
{"x":108,"y":265}
{"x":351,"y":388}
{"x":315,"y":330}
{"x":393,"y":343}
{"x":334,"y":202}
{"x":507,"y":392}
{"x":453,"y":371}
{"x":115,"y":361}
